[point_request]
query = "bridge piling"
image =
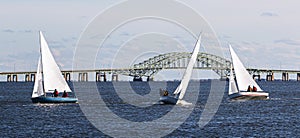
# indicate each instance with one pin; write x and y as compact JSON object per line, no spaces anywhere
{"x":15,"y":78}
{"x":67,"y":76}
{"x":256,"y":75}
{"x":9,"y":78}
{"x":12,"y":78}
{"x":83,"y":76}
{"x":32,"y":77}
{"x":137,"y":78}
{"x":285,"y":76}
{"x":79,"y":76}
{"x":114,"y":77}
{"x":150,"y":78}
{"x":270,"y":76}
{"x":298,"y":76}
{"x":97,"y":76}
{"x":27,"y":78}
{"x":100,"y":75}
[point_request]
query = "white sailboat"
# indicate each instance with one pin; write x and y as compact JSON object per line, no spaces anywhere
{"x":239,"y":86}
{"x":179,"y":93}
{"x":48,"y":78}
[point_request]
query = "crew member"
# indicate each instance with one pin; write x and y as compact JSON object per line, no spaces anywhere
{"x":254,"y":89}
{"x":55,"y":93}
{"x":249,"y":89}
{"x":166,"y":93}
{"x":65,"y":94}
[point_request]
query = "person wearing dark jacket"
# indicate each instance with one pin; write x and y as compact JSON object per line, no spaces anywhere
{"x":65,"y":94}
{"x":249,"y":89}
{"x":55,"y":93}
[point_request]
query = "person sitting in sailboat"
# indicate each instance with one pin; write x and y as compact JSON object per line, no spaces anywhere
{"x":249,"y":89}
{"x":254,"y":89}
{"x":65,"y":94}
{"x":55,"y":93}
{"x":164,"y":92}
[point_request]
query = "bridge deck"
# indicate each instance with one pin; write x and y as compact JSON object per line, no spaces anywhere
{"x":128,"y":69}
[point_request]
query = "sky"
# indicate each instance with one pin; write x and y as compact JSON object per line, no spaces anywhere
{"x":264,"y":33}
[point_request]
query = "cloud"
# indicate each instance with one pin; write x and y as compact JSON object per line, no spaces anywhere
{"x":21,"y":31}
{"x":268,"y":14}
{"x":288,"y":41}
{"x":8,"y":30}
{"x":70,"y":39}
{"x":27,"y":31}
{"x":224,"y":36}
{"x":276,"y":55}
{"x":83,"y":17}
{"x":124,"y":34}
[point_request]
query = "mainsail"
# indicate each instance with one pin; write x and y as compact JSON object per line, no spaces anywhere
{"x":243,"y":78}
{"x":53,"y":78}
{"x":181,"y":89}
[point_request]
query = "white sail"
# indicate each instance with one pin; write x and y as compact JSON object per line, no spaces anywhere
{"x":53,"y":78}
{"x":188,"y":72}
{"x":232,"y":84}
{"x":243,"y":78}
{"x":38,"y":83}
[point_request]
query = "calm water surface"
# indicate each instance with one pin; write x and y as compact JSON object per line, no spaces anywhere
{"x":277,"y":117}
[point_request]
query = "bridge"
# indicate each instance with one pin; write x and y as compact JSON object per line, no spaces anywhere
{"x":150,"y":67}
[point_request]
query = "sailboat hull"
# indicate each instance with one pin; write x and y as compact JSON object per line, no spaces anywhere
{"x":43,"y":99}
{"x":241,"y":96}
{"x":168,"y":100}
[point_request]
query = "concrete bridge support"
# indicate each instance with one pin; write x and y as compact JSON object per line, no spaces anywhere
{"x":270,"y":76}
{"x":29,"y":77}
{"x":298,"y":76}
{"x":15,"y":78}
{"x":114,"y":77}
{"x":12,"y":78}
{"x":83,"y":76}
{"x":100,"y":75}
{"x":32,"y":77}
{"x":9,"y":78}
{"x":285,"y":76}
{"x":149,"y":78}
{"x":137,"y":78}
{"x":97,"y":77}
{"x":67,"y":76}
{"x":256,"y":76}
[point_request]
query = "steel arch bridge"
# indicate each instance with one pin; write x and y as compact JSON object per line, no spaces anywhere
{"x":178,"y":60}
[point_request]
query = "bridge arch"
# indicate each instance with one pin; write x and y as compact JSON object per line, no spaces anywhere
{"x":179,"y":60}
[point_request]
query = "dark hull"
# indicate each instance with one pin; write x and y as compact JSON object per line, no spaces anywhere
{"x":168,"y":100}
{"x":43,"y":99}
{"x":242,"y":96}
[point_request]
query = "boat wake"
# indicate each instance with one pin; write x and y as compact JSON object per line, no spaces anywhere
{"x":275,"y":99}
{"x":183,"y":103}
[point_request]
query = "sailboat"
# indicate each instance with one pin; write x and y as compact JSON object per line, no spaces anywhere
{"x":48,"y":78}
{"x":240,"y":86}
{"x":179,"y":93}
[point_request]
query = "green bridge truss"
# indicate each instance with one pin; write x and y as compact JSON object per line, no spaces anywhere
{"x":177,"y":60}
